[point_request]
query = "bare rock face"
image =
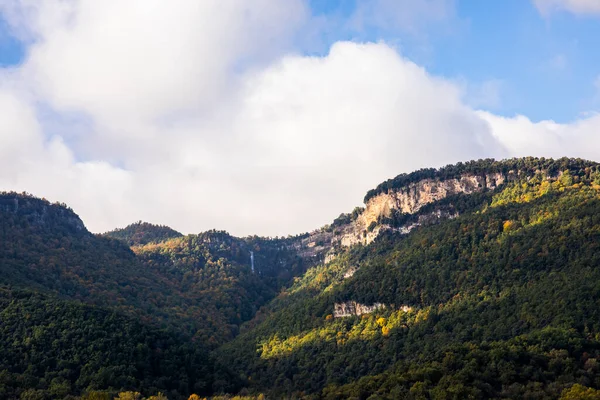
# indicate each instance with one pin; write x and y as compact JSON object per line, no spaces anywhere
{"x":321,"y":245}
{"x":410,"y":200}
{"x":40,"y":213}
{"x":352,"y":308}
{"x":315,"y":246}
{"x":413,"y":197}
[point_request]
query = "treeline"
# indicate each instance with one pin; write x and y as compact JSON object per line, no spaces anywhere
{"x":527,"y":166}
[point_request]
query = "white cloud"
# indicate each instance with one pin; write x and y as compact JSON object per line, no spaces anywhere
{"x":487,"y":94}
{"x":522,"y":137}
{"x":32,"y":162}
{"x":581,"y":7}
{"x":221,"y":126}
{"x":127,"y":63}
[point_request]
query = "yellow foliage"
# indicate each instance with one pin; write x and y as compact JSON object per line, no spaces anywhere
{"x":129,"y":396}
{"x":508,"y":226}
{"x":580,"y":392}
{"x":159,"y":396}
{"x":385,"y":331}
{"x":329,"y":317}
{"x":381,"y":321}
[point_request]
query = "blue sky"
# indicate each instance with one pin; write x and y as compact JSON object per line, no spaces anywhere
{"x":544,"y":65}
{"x":11,"y":50}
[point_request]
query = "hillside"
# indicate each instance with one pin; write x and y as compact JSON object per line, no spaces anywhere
{"x":477,"y":280}
{"x":498,"y":297}
{"x":58,"y":348}
{"x":202,"y":285}
{"x":226,"y":279}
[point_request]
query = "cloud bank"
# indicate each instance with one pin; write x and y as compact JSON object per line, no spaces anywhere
{"x":204,"y":115}
{"x":580,"y":7}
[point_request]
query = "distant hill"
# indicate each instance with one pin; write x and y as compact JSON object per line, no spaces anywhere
{"x":140,"y":233}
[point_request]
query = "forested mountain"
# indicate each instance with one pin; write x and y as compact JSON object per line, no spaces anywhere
{"x":140,"y":233}
{"x":501,"y":299}
{"x":192,"y":293}
{"x":226,"y":279}
{"x":477,"y":280}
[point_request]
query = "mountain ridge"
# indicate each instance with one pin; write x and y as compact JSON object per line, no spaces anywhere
{"x":440,"y":270}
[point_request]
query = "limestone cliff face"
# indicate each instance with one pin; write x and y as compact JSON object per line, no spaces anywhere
{"x":320,"y":245}
{"x":352,"y":308}
{"x":410,"y":200}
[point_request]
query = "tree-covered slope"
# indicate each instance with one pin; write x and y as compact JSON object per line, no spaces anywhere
{"x":140,"y":233}
{"x":227,"y":279}
{"x":52,"y":348}
{"x":46,"y":247}
{"x":202,"y":285}
{"x":500,"y":301}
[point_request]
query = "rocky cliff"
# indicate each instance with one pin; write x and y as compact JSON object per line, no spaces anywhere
{"x":352,"y":308}
{"x":39,"y":213}
{"x":410,"y":200}
{"x":323,"y":244}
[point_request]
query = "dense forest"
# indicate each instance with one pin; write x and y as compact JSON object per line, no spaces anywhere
{"x":498,"y":298}
{"x":140,"y":233}
{"x":62,"y":347}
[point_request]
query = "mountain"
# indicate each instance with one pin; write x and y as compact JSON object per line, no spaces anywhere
{"x":476,"y":280}
{"x":202,"y":285}
{"x":193,"y":291}
{"x":140,"y":233}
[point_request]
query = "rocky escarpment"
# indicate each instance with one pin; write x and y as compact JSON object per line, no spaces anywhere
{"x":411,"y":199}
{"x":323,"y":244}
{"x":352,"y":308}
{"x":388,"y":206}
{"x":40,"y":214}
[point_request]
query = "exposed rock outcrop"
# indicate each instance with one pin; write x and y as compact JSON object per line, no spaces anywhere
{"x":352,"y":308}
{"x":410,"y":200}
{"x":321,"y":245}
{"x":40,"y":213}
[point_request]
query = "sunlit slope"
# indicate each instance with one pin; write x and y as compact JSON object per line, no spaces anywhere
{"x":501,"y":300}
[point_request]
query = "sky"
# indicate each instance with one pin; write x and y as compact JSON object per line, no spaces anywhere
{"x":272,"y":117}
